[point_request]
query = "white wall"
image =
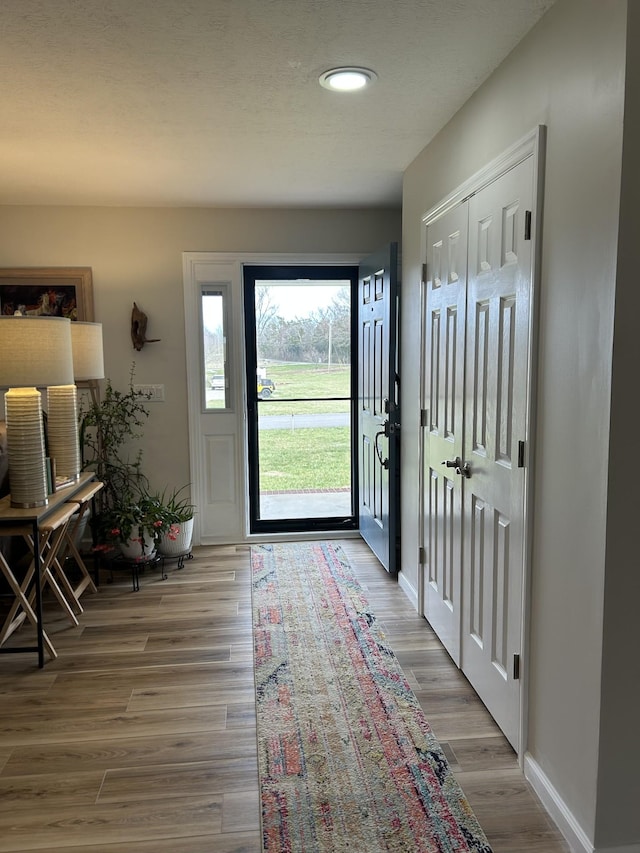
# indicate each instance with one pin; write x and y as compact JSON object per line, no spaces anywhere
{"x":567,"y":74}
{"x":618,"y":781}
{"x":136,"y":254}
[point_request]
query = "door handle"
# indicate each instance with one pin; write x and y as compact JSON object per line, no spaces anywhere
{"x":461,"y":467}
{"x":384,"y":431}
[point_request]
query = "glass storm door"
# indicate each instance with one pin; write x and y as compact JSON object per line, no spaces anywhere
{"x":300,"y":397}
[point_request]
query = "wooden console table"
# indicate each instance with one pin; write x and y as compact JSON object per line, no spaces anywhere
{"x":15,"y":521}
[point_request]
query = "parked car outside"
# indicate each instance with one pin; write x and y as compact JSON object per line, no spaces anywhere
{"x":266,"y":387}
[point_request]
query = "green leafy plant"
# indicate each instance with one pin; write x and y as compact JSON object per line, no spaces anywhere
{"x":177,"y":509}
{"x":145,"y":514}
{"x":107,"y":428}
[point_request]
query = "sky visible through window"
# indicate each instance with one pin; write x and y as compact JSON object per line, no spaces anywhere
{"x":292,"y":299}
{"x":295,"y":300}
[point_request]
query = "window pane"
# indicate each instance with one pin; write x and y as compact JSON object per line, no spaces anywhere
{"x":305,"y":462}
{"x":303,"y":338}
{"x":214,"y":350}
{"x":303,"y":344}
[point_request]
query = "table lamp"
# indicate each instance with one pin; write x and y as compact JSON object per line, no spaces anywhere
{"x":88,"y":354}
{"x":62,"y":407}
{"x":34,"y":351}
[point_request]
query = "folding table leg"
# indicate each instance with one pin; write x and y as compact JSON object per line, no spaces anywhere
{"x":15,"y":618}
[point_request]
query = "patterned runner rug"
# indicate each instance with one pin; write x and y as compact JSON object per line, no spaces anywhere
{"x":346,"y":757}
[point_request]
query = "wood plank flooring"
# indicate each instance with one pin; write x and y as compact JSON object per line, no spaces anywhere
{"x":140,"y":737}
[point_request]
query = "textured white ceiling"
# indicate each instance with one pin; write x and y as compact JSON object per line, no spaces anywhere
{"x":217,"y":102}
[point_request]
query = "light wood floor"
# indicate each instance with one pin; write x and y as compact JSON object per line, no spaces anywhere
{"x":140,"y":737}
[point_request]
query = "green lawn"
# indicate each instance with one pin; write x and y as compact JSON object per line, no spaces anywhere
{"x":305,"y":459}
{"x":307,"y":380}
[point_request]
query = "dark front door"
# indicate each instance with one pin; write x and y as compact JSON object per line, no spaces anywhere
{"x":379,"y":405}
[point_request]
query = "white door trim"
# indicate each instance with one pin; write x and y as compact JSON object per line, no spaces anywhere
{"x":532,"y":144}
{"x":226,"y":268}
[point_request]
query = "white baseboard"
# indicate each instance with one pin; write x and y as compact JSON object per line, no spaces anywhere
{"x":409,"y":591}
{"x":557,"y":809}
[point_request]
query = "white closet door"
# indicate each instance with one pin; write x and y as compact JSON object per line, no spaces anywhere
{"x":476,"y":367}
{"x":443,"y":396}
{"x":496,"y":395}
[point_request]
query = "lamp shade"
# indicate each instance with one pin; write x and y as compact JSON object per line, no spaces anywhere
{"x":88,"y":357}
{"x":35,"y":351}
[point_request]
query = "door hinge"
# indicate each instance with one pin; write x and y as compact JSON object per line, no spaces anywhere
{"x":424,"y":417}
{"x":516,"y":667}
{"x":521,"y":454}
{"x":424,"y":273}
{"x":422,"y":556}
{"x":527,"y":225}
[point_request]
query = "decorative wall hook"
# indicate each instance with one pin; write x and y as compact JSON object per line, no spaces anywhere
{"x":139,"y":329}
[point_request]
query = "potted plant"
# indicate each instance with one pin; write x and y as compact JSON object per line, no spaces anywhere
{"x":135,"y":525}
{"x":178,"y":513}
{"x":129,"y":516}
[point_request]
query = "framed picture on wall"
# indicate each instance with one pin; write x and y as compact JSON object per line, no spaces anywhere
{"x":47,"y":291}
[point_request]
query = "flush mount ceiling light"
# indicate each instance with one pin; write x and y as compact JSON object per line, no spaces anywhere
{"x":347,"y":78}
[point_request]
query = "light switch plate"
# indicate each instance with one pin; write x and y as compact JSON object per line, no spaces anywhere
{"x":151,"y":393}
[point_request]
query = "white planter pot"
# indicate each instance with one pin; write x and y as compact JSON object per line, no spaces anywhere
{"x":132,"y":549}
{"x":181,"y":544}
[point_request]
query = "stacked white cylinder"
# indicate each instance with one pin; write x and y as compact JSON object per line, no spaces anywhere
{"x":25,"y":440}
{"x":62,"y":430}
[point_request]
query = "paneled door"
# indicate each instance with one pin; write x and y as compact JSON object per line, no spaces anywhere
{"x":444,"y":403}
{"x":477,"y":365}
{"x":378,"y":405}
{"x":496,"y":436}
